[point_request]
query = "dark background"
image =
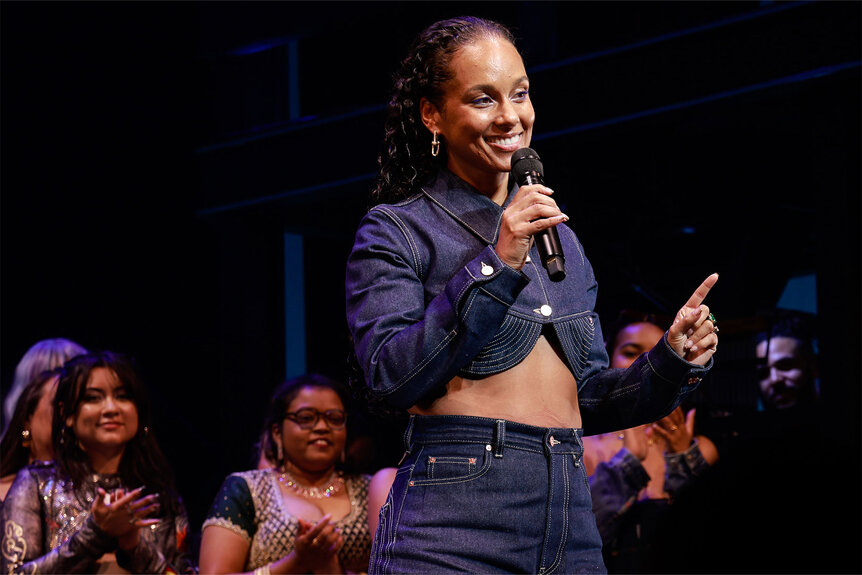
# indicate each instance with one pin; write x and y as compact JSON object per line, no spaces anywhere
{"x":154,"y":154}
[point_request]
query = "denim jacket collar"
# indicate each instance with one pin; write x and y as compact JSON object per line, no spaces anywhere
{"x":466,"y":204}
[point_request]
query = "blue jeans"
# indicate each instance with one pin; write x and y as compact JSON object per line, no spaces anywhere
{"x":477,"y":495}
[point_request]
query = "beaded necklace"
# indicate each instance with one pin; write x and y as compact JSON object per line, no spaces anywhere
{"x":334,"y":483}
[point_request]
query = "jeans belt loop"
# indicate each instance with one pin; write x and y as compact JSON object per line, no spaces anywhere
{"x":499,"y":437}
{"x":408,"y":432}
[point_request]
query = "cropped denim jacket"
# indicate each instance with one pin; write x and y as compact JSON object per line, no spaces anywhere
{"x":428,"y":299}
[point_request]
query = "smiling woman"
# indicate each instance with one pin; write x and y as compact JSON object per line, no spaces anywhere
{"x":501,"y":367}
{"x":107,"y":502}
{"x":303,"y":515}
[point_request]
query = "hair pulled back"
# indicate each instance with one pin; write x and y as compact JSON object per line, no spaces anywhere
{"x":405,"y":160}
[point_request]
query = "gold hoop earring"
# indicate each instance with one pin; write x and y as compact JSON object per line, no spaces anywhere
{"x":435,"y":145}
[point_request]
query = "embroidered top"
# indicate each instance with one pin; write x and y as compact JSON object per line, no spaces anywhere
{"x":250,"y":504}
{"x":47,"y":527}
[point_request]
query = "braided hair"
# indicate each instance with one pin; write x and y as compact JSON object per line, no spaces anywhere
{"x":405,"y":159}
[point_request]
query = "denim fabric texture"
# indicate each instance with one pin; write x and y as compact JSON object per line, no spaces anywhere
{"x":683,"y":468}
{"x":477,"y":495}
{"x":615,"y":486}
{"x":428,"y":299}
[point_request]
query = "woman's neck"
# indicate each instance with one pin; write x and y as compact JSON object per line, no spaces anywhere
{"x":309,"y":478}
{"x":494,"y":186}
{"x":105,"y":461}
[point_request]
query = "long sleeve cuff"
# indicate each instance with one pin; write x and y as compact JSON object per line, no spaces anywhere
{"x":682,"y":468}
{"x":633,"y":470}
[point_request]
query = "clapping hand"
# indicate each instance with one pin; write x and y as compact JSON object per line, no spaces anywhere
{"x":677,"y":429}
{"x":317,"y":545}
{"x":636,"y":441}
{"x":121,"y":514}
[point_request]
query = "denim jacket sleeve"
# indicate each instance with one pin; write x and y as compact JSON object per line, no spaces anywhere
{"x":24,"y":536}
{"x":409,"y":348}
{"x":653,"y":386}
{"x":615,"y":485}
{"x":683,"y":468}
{"x":614,"y":398}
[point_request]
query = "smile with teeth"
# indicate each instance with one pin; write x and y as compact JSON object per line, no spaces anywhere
{"x":505,"y":141}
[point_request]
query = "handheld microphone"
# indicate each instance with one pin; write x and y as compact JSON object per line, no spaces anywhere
{"x":527,"y":169}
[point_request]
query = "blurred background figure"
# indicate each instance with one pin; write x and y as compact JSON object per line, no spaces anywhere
{"x":759,"y":501}
{"x":297,"y":511}
{"x":634,"y":473}
{"x":787,"y":362}
{"x":107,"y":502}
{"x":28,"y":436}
{"x":44,"y":355}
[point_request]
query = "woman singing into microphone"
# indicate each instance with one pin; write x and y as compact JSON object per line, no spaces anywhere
{"x":455,"y":321}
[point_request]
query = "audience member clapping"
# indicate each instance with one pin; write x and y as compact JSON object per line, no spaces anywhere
{"x":107,"y":502}
{"x":302,"y":515}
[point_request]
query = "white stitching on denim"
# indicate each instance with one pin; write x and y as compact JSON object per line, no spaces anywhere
{"x":417,"y":368}
{"x":576,"y":241}
{"x":463,"y":223}
{"x":486,"y":466}
{"x":411,"y":243}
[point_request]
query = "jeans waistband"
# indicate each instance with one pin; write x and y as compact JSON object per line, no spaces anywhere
{"x":499,"y":433}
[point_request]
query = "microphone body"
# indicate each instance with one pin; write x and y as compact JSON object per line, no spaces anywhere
{"x":527,"y":169}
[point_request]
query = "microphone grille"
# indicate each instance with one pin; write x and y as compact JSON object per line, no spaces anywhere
{"x":526,"y":160}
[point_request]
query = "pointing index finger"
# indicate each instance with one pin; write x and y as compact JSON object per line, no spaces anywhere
{"x":700,"y":293}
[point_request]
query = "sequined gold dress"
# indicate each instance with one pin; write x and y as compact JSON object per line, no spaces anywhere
{"x":47,"y":527}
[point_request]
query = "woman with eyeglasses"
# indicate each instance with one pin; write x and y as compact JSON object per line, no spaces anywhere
{"x":304,"y":515}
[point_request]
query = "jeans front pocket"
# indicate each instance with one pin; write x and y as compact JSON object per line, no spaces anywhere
{"x":451,"y":464}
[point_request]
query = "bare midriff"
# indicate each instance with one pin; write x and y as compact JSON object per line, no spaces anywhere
{"x":539,"y":391}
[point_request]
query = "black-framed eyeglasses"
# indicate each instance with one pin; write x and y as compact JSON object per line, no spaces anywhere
{"x":307,"y":417}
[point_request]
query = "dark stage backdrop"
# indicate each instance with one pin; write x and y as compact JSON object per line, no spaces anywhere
{"x":155,"y":154}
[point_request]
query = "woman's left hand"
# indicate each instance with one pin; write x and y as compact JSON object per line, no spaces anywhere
{"x":693,"y":335}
